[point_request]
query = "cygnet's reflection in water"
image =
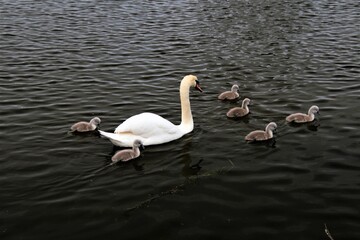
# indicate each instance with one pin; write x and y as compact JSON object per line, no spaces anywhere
{"x":312,"y":126}
{"x":268,"y":143}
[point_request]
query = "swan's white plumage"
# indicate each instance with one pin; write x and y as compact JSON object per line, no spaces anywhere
{"x":150,"y":128}
{"x":153,"y":129}
{"x":154,"y":124}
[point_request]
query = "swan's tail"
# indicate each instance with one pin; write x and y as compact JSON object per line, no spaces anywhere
{"x":114,"y":138}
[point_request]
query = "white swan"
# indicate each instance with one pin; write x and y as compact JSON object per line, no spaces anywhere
{"x":152,"y":129}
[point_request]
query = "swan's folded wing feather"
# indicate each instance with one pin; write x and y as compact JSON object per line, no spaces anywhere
{"x":146,"y":125}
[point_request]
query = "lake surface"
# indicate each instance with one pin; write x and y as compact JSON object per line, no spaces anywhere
{"x":67,"y":61}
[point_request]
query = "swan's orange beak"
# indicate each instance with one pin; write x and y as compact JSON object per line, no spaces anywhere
{"x":197,"y":86}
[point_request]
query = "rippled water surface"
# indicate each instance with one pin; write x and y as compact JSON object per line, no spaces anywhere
{"x":66,"y":61}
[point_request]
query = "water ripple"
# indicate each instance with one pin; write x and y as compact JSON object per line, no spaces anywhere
{"x":65,"y":62}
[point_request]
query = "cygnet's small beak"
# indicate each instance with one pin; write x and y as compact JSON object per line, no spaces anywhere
{"x":142,"y":147}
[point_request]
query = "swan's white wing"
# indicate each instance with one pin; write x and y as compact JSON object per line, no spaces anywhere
{"x":150,"y":128}
{"x":147,"y":125}
{"x":121,"y":140}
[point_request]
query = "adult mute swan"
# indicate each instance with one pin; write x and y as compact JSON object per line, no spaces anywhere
{"x":152,"y":129}
{"x":86,"y":126}
{"x":303,"y":118}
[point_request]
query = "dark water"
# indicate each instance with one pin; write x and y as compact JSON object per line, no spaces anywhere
{"x":66,"y":61}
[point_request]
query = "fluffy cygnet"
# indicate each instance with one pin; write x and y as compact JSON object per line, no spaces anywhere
{"x":86,"y":126}
{"x":128,"y":154}
{"x":230,"y":95}
{"x":259,"y":135}
{"x":242,"y":111}
{"x":303,"y":118}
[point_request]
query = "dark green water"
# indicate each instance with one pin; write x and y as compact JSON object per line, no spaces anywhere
{"x":66,"y":61}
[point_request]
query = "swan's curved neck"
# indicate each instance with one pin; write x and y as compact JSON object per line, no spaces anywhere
{"x":187,"y":124}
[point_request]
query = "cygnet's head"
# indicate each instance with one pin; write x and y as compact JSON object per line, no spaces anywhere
{"x":96,"y":121}
{"x":271,"y":126}
{"x":138,"y":144}
{"x":314,"y":109}
{"x":246,"y":102}
{"x":235,"y":88}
